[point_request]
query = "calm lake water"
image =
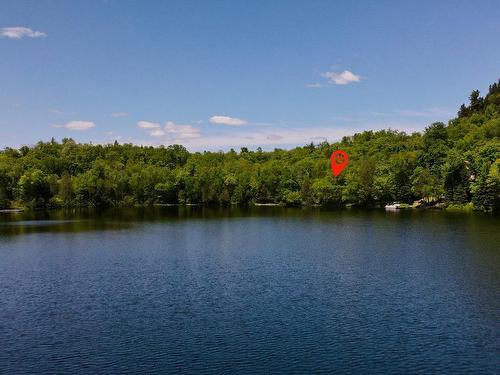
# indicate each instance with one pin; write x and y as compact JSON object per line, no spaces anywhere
{"x":264,"y":290}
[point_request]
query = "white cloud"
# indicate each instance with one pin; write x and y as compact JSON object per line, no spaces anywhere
{"x":57,"y":126}
{"x":148,"y":125}
{"x":119,"y":114}
{"x":157,"y":133}
{"x":181,"y":131}
{"x":20,"y":32}
{"x":226,"y":120}
{"x":315,"y":85}
{"x":79,"y":125}
{"x":342,"y":78}
{"x":171,"y":132}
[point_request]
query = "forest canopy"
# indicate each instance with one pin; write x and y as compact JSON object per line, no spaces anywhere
{"x":454,"y":163}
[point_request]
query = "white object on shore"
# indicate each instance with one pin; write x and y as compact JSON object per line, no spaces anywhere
{"x":10,"y":210}
{"x":393,"y":206}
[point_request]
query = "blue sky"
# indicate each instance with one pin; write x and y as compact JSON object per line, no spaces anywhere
{"x":219,"y":74}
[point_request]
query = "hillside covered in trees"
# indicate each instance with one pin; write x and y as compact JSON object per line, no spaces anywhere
{"x":456,"y":163}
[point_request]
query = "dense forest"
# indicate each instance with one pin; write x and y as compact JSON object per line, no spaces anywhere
{"x":454,"y":164}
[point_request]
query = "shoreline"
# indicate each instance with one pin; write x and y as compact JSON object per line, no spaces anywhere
{"x":468,"y":207}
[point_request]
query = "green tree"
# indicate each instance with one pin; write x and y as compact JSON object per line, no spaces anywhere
{"x":456,"y":174}
{"x":325,"y":192}
{"x":33,"y":188}
{"x":486,"y":191}
{"x":425,"y":185}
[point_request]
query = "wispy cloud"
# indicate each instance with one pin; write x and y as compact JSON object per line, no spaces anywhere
{"x":226,"y":120}
{"x":429,"y":112}
{"x":274,"y":137}
{"x":277,"y":135}
{"x":119,"y":114}
{"x":20,"y":32}
{"x":148,"y":125}
{"x":79,"y":125}
{"x":343,"y":118}
{"x":270,"y":138}
{"x":59,"y":112}
{"x":341,"y":78}
{"x":436,"y":112}
{"x":314,"y":85}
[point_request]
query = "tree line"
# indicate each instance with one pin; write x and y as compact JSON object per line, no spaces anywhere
{"x":454,"y":163}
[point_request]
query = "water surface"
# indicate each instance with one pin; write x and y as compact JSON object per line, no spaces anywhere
{"x":197,"y":290}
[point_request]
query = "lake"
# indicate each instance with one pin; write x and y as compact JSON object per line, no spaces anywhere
{"x":249,"y":291}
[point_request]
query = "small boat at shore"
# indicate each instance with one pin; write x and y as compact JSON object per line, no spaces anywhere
{"x":393,"y":206}
{"x":10,"y":210}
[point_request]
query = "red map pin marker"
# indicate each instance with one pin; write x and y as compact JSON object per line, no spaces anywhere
{"x":338,"y":160}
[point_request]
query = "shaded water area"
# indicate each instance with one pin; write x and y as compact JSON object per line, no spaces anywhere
{"x":258,"y":290}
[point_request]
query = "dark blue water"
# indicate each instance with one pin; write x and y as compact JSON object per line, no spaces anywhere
{"x":261,"y":291}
